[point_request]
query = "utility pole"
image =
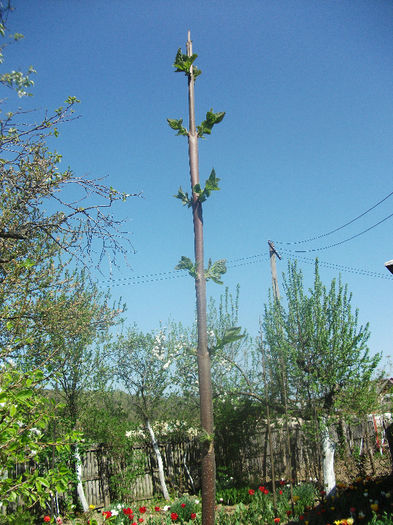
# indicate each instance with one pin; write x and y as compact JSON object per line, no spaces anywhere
{"x":276,"y":293}
{"x":273,"y":252}
{"x":268,"y":422}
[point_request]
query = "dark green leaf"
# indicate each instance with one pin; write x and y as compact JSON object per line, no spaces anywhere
{"x":230,"y":336}
{"x":185,"y":263}
{"x":183,"y":196}
{"x":212,"y":182}
{"x":197,"y":189}
{"x":216,"y":270}
{"x":183,"y":64}
{"x":177,"y":126}
{"x":211,"y":119}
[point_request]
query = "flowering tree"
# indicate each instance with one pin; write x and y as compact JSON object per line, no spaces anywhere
{"x":143,"y":365}
{"x":37,"y":245}
{"x":325,"y":351}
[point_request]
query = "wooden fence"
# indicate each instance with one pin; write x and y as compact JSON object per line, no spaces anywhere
{"x":103,"y":471}
{"x":109,"y":474}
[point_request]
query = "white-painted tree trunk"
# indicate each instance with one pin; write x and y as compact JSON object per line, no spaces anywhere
{"x":79,"y":487}
{"x":328,"y":449}
{"x":159,"y":460}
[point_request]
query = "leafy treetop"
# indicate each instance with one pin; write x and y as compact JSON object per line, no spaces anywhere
{"x":183,"y":64}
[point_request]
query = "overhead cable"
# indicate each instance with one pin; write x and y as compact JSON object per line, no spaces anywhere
{"x":235,"y":263}
{"x":345,"y":240}
{"x":340,"y":227}
{"x":175,"y":274}
{"x":335,"y":266}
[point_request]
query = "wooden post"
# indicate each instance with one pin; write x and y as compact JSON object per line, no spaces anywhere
{"x":268,"y":423}
{"x":273,"y":253}
{"x":276,"y":293}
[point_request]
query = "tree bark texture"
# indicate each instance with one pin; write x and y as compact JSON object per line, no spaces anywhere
{"x":204,"y":366}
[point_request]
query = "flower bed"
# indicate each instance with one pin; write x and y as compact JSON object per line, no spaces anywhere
{"x":360,"y":502}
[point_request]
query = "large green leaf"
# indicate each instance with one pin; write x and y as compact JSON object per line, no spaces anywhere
{"x":177,"y":125}
{"x":212,"y":118}
{"x":183,"y":64}
{"x":216,"y":270}
{"x":210,"y":185}
{"x":185,"y":263}
{"x":230,"y":336}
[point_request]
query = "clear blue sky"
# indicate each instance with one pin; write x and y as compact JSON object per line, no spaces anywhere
{"x":306,"y":144}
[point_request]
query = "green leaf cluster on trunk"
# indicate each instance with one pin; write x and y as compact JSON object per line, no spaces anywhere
{"x":183,"y":64}
{"x":214,"y":271}
{"x":202,"y":194}
{"x":205,"y":128}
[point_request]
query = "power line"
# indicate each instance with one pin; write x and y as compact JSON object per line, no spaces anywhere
{"x":335,"y":266}
{"x":345,"y":240}
{"x":236,"y":263}
{"x":340,"y":227}
{"x":175,"y":274}
{"x":159,"y":276}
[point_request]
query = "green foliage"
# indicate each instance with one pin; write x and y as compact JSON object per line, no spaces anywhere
{"x":130,"y":464}
{"x":205,"y":128}
{"x":215,"y":270}
{"x":184,"y":507}
{"x":210,"y":185}
{"x":317,"y":336}
{"x":183,"y":196}
{"x":19,"y":517}
{"x":25,"y":419}
{"x":81,"y":342}
{"x":183,"y":64}
{"x":230,"y":336}
{"x":177,"y":125}
{"x":143,"y":366}
{"x":42,"y":312}
{"x":385,"y":519}
{"x":185,"y":263}
{"x":16,"y":80}
{"x":305,"y":496}
{"x":237,"y":421}
{"x":231,"y":495}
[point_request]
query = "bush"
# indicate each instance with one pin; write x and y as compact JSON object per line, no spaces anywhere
{"x":25,"y":417}
{"x":184,"y":507}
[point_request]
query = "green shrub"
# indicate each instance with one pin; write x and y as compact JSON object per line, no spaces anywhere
{"x":385,"y":519}
{"x":184,"y":507}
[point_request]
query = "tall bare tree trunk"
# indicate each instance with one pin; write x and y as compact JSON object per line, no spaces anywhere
{"x":204,"y":367}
